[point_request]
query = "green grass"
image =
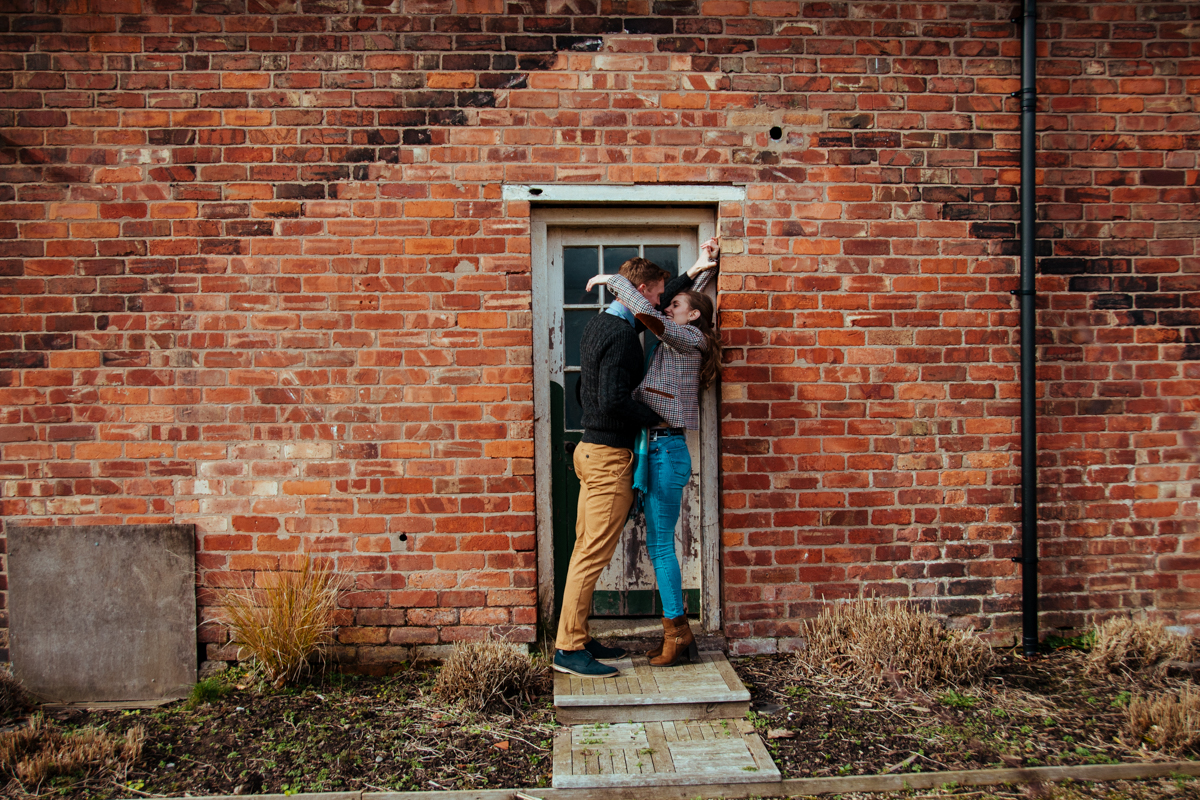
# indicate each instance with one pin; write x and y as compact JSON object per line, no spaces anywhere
{"x":956,"y":700}
{"x":1083,"y":642}
{"x":206,"y":691}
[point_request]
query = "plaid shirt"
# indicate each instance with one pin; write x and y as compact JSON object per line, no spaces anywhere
{"x":670,"y":386}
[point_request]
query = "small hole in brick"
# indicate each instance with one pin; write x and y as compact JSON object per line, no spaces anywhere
{"x":776,"y":133}
{"x":404,"y":537}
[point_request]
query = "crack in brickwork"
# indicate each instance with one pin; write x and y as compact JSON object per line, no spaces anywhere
{"x":256,"y":274}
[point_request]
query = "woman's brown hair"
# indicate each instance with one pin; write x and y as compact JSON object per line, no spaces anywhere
{"x":710,"y":365}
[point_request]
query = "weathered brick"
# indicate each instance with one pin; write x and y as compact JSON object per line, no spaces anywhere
{"x":287,"y":265}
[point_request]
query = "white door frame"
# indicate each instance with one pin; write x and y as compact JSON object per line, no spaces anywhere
{"x":704,"y":220}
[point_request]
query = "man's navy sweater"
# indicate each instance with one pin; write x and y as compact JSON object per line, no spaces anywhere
{"x":611,"y":362}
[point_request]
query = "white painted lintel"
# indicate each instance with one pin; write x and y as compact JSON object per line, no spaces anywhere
{"x":608,"y":193}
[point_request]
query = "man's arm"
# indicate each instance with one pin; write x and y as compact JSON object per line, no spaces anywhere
{"x":674,"y":286}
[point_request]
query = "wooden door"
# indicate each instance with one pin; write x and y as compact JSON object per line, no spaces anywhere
{"x":627,"y":586}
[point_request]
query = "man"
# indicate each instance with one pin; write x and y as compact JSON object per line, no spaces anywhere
{"x":612,"y":365}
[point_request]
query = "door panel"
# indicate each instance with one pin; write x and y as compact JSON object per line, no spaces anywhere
{"x":626,"y":587}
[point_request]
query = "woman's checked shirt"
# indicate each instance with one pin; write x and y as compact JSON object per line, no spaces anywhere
{"x":671,"y":383}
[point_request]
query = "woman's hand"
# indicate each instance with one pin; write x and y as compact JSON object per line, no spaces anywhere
{"x":710,"y":251}
{"x":596,"y":281}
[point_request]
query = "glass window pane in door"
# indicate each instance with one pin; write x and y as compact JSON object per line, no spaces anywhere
{"x":666,"y":256}
{"x":574,"y":321}
{"x":580,"y":264}
{"x":574,"y":411}
{"x":617,"y":255}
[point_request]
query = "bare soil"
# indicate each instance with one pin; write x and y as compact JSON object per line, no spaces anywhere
{"x":345,"y":732}
{"x":1027,"y":713}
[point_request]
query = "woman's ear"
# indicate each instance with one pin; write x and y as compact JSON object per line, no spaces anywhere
{"x":693,"y":315}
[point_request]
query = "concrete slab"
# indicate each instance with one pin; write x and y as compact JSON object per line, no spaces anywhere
{"x":103,"y":613}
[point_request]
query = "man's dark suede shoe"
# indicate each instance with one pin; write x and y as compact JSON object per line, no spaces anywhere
{"x":581,"y":663}
{"x":602,"y":653}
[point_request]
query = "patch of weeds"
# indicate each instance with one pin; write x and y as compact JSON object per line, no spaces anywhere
{"x":798,"y":692}
{"x":1096,"y":758}
{"x":1181,"y":780}
{"x":1083,"y":642}
{"x":954,"y":699}
{"x":1121,"y":700}
{"x":206,"y":691}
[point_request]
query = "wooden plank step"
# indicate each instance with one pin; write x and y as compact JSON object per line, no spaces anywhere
{"x":672,"y":753}
{"x":707,"y":690}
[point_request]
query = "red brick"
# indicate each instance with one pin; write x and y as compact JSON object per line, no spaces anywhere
{"x":309,"y":324}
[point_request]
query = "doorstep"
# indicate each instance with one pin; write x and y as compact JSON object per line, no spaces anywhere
{"x":709,"y":689}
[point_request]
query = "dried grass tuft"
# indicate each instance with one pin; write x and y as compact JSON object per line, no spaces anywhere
{"x":42,"y":750}
{"x":1125,"y":646}
{"x":1168,"y":722}
{"x":287,"y":623}
{"x":12,"y":695}
{"x":871,"y":641}
{"x":483,"y":674}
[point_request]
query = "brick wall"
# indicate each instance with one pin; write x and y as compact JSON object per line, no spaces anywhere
{"x":258,"y":276}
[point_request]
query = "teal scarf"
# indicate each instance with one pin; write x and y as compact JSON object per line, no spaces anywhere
{"x":641,"y":462}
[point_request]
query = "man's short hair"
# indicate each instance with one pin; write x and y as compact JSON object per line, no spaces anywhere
{"x":639,"y":271}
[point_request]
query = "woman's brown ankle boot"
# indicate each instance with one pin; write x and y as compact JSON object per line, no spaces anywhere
{"x":678,"y":643}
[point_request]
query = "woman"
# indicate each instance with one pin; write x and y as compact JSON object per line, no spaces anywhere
{"x":687,"y":360}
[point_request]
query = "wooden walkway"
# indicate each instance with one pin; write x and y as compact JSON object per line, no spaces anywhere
{"x":651,"y":726}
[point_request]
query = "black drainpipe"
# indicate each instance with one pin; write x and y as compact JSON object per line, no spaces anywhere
{"x":1029,"y":540}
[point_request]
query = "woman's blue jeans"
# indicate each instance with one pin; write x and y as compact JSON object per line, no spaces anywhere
{"x":670,"y":470}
